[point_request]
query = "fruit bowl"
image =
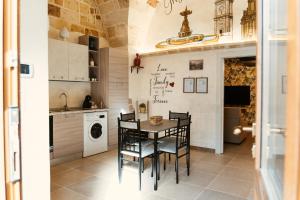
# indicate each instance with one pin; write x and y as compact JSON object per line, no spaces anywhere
{"x":156,"y":120}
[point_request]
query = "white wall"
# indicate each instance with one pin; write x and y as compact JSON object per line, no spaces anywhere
{"x":76,"y":92}
{"x":34,"y":101}
{"x":206,"y":109}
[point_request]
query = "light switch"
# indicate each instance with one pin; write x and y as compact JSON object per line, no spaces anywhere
{"x":26,"y":71}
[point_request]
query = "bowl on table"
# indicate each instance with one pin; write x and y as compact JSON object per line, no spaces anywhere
{"x":156,"y":120}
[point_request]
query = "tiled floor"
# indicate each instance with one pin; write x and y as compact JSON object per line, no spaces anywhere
{"x":225,"y":177}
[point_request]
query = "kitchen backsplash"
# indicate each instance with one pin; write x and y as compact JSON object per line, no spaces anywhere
{"x":76,"y":92}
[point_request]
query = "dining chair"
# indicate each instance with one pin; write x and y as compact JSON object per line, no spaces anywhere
{"x":144,"y":135}
{"x":179,"y":139}
{"x":131,"y":143}
{"x":174,"y":116}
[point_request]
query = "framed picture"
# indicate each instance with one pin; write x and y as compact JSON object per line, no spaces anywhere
{"x":188,"y":85}
{"x":196,"y":64}
{"x":283,"y":84}
{"x":202,"y":85}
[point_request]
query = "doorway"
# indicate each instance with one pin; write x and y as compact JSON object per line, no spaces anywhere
{"x":239,"y":103}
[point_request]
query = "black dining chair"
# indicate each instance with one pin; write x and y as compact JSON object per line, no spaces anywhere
{"x":131,"y":117}
{"x":178,"y":139}
{"x":174,"y":116}
{"x":131,"y":143}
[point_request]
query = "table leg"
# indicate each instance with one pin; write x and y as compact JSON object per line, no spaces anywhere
{"x":155,"y":160}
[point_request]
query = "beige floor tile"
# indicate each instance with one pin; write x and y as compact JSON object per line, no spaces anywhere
{"x":155,"y":197}
{"x":54,"y":186}
{"x":84,"y":162}
{"x":241,"y":163}
{"x":70,"y":177}
{"x":66,"y":194}
{"x":196,"y":178}
{"x":214,"y":195}
{"x":179,"y":191}
{"x":231,"y":186}
{"x":208,"y":167}
{"x":238,"y":173}
{"x":59,"y":169}
{"x":217,"y":159}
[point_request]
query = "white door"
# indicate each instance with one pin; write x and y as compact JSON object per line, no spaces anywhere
{"x":274,"y":94}
{"x":78,"y":62}
{"x":58,"y":60}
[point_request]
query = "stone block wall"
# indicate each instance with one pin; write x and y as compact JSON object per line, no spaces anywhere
{"x":101,"y":18}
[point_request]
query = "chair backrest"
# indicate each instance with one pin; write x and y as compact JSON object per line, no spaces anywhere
{"x":183,"y":132}
{"x":129,"y":136}
{"x":177,"y":115}
{"x":128,"y":116}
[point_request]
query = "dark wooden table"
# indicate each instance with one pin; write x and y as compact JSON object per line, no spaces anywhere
{"x":147,"y":127}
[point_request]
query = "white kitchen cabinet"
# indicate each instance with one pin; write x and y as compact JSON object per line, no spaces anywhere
{"x":78,"y":62}
{"x":67,"y":134}
{"x":68,"y":61}
{"x":58,"y":60}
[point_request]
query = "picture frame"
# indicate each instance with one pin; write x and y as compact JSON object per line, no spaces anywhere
{"x":202,"y":85}
{"x":196,"y":64}
{"x":284,"y":84}
{"x":188,"y":85}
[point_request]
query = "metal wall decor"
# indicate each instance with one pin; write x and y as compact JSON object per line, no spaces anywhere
{"x":185,"y":35}
{"x":223,"y":17}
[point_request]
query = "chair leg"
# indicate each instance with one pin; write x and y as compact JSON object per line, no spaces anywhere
{"x":188,"y":163}
{"x":143,"y":165}
{"x":177,"y":169}
{"x":152,"y":161}
{"x":164,"y":161}
{"x":158,"y":173}
{"x":140,"y":174}
{"x":120,"y":168}
{"x":122,"y":161}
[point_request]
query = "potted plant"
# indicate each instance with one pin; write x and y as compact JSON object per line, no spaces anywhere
{"x":142,"y":108}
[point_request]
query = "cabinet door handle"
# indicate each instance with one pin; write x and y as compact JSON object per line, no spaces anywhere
{"x":62,"y":77}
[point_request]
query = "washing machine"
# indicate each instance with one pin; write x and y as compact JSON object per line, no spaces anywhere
{"x":95,"y":133}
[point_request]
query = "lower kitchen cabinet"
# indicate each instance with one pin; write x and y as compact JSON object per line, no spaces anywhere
{"x":67,"y":134}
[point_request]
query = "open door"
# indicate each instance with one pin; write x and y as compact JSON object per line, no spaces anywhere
{"x":292,"y":161}
{"x":10,"y":53}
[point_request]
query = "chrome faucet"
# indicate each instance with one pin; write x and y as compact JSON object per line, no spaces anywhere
{"x":66,"y":98}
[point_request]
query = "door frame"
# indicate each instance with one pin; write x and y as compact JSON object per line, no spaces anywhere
{"x":2,"y":169}
{"x":292,"y":143}
{"x":221,"y":56}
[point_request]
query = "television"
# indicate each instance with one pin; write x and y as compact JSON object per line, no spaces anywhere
{"x":237,"y":95}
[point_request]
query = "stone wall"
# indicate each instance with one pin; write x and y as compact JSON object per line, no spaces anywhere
{"x":114,"y":14}
{"x":101,"y":18}
{"x":78,"y":16}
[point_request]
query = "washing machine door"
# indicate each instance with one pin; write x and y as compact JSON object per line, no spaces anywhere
{"x":95,"y":131}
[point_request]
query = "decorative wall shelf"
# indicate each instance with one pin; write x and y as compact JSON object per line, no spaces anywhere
{"x":206,"y":47}
{"x":137,"y":68}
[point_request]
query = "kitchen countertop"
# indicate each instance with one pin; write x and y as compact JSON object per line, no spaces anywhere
{"x":56,"y":111}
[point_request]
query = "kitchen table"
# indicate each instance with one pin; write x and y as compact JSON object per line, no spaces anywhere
{"x":155,"y":130}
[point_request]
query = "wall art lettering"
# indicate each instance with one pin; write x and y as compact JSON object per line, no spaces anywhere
{"x":161,"y":84}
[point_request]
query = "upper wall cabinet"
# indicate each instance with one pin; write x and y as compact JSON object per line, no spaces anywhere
{"x":78,"y":62}
{"x":58,"y":60}
{"x":68,"y":61}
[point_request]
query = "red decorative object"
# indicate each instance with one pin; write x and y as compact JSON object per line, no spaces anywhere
{"x":137,"y":60}
{"x":137,"y":63}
